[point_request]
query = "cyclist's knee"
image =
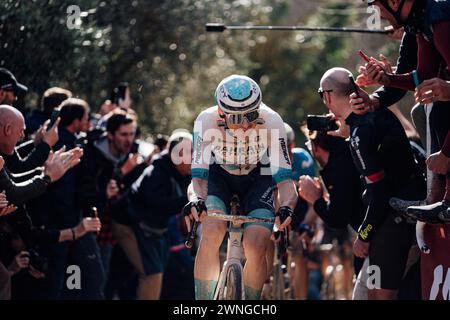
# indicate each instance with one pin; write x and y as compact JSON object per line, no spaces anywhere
{"x":256,"y":240}
{"x":213,"y":233}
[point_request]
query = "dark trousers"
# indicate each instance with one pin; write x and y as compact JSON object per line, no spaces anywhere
{"x":83,"y":253}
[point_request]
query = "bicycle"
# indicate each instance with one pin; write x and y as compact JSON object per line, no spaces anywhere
{"x":333,"y":284}
{"x":231,"y":283}
{"x":279,"y":281}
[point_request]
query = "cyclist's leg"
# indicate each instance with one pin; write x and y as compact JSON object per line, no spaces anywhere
{"x":256,"y":240}
{"x":258,"y":202}
{"x":207,"y":261}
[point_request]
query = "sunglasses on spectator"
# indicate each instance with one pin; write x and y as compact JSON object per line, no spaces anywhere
{"x":322,"y":91}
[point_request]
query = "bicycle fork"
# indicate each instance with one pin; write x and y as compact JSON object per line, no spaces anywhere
{"x":234,"y":257}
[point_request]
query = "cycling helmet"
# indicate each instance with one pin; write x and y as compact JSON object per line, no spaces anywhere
{"x":395,"y":13}
{"x":238,"y":95}
{"x":290,"y":134}
{"x":302,"y":164}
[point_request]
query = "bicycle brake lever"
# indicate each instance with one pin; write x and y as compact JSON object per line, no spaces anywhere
{"x":192,"y":235}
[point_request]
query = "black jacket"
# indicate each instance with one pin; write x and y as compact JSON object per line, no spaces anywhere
{"x":59,"y":207}
{"x":96,"y":169}
{"x":383,"y":156}
{"x":159,"y":193}
{"x":35,"y":158}
{"x":343,"y":183}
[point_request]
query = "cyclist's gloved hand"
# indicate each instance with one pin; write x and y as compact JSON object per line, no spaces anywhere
{"x":283,"y":217}
{"x":193,"y":209}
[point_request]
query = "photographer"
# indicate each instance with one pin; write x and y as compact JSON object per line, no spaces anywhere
{"x":343,"y":206}
{"x":383,"y":156}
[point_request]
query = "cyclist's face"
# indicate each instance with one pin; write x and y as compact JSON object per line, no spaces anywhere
{"x":244,"y":126}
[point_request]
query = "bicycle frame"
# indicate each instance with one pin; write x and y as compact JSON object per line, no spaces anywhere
{"x":234,"y":247}
{"x":234,"y":257}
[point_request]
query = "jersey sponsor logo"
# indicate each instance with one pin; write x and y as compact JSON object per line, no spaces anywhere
{"x":197,"y":147}
{"x":354,"y":142}
{"x":364,"y":234}
{"x":284,"y":150}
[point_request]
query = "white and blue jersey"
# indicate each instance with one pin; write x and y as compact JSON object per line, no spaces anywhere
{"x":239,"y":152}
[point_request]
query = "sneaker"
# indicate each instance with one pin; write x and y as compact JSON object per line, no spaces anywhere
{"x":433,"y":213}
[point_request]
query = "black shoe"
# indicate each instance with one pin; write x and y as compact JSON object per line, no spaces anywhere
{"x":433,"y":213}
{"x":401,"y":205}
{"x":445,"y":216}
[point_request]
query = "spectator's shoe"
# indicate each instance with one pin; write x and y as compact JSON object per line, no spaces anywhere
{"x":401,"y":205}
{"x":434,"y":213}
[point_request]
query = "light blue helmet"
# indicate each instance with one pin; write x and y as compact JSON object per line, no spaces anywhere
{"x":302,"y":164}
{"x":238,"y":94}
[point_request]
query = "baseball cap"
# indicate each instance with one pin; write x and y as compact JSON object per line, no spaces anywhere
{"x":9,"y":82}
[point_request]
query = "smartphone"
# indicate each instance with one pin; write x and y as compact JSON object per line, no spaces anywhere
{"x":119,"y":93}
{"x":53,"y":118}
{"x":364,"y":56}
{"x":321,"y":123}
{"x":354,"y":86}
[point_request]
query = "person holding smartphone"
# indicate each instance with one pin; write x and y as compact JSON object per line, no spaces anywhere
{"x":383,"y":156}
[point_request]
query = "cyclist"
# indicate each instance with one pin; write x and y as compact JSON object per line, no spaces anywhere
{"x":239,"y":148}
{"x":382,"y":155}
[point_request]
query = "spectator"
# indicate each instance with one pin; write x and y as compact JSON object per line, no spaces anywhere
{"x":12,"y":127}
{"x":382,"y":154}
{"x":9,"y":87}
{"x":59,"y":209}
{"x":159,"y":193}
{"x":50,"y":100}
{"x":342,"y":181}
{"x":36,"y":152}
{"x":109,"y":157}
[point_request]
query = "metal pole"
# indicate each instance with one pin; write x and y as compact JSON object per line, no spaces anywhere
{"x":218,"y":27}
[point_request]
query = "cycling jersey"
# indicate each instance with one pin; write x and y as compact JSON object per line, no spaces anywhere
{"x":302,"y":164}
{"x":238,"y":152}
{"x":383,"y":156}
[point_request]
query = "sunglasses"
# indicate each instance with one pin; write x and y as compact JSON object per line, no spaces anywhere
{"x":248,"y":117}
{"x":321,"y":92}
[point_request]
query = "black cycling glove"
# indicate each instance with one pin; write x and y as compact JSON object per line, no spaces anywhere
{"x":199,"y":204}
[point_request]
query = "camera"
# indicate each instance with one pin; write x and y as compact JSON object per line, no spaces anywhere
{"x":321,"y":123}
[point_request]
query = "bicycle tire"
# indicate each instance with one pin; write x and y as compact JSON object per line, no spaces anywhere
{"x":232,"y":289}
{"x":278,"y":284}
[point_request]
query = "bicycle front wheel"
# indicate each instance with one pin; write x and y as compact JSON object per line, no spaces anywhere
{"x":232,"y":289}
